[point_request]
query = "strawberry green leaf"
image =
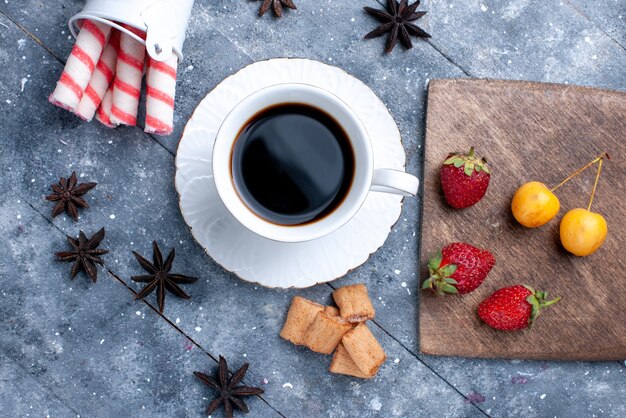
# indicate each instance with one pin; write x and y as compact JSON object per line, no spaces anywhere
{"x":450,"y":280}
{"x":543,"y":304}
{"x":427,"y":284}
{"x":435,"y":261}
{"x":534,"y":314}
{"x":470,"y":162}
{"x":538,"y":300}
{"x":532,"y":300}
{"x":535,"y":308}
{"x":448,"y":288}
{"x":448,"y":270}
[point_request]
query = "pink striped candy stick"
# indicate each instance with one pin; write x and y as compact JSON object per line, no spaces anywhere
{"x":160,"y":91}
{"x":103,"y":115}
{"x":80,"y":65}
{"x":100,"y":79}
{"x":127,"y":84}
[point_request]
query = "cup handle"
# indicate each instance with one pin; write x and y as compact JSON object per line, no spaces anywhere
{"x":387,"y":180}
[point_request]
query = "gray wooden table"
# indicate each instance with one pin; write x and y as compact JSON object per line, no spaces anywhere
{"x":70,"y":348}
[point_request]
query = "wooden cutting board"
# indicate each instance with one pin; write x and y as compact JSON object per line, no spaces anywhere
{"x":528,"y":131}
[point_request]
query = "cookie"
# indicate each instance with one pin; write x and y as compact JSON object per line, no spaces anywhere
{"x":325,"y":333}
{"x":364,"y":349}
{"x":343,"y":364}
{"x":354,"y":303}
{"x":302,"y":313}
{"x":332,"y":310}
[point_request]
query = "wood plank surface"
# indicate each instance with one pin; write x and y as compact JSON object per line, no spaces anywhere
{"x":528,"y":131}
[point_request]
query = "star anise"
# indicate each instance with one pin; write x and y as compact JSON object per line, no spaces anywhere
{"x":85,"y":254}
{"x":68,"y":194}
{"x":229,"y":392}
{"x":397,"y":21}
{"x":160,"y":277}
{"x":277,"y":5}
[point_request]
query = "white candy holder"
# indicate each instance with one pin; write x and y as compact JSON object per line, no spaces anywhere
{"x":163,"y":21}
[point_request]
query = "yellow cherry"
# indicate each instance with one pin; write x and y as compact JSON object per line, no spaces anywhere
{"x":582,"y":231}
{"x":534,"y":204}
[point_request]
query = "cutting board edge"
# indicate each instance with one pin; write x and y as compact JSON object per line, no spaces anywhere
{"x":441,"y":82}
{"x":621,"y":356}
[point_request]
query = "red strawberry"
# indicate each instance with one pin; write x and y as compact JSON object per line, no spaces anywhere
{"x":464,"y":179}
{"x":458,"y":268}
{"x":513,"y":308}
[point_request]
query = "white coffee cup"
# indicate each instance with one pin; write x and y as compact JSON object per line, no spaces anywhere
{"x":366,"y":178}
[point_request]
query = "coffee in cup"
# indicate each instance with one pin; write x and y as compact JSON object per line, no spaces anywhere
{"x":292,"y":164}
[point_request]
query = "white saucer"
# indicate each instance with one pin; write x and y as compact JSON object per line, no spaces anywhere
{"x":257,"y":259}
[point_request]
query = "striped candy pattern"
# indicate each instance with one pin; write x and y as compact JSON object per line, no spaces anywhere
{"x":103,"y":115}
{"x":80,"y":65}
{"x":127,"y":84}
{"x":160,"y":90}
{"x":103,"y":77}
{"x":100,"y":80}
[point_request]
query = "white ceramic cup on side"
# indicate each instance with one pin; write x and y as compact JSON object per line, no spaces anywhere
{"x":366,"y":178}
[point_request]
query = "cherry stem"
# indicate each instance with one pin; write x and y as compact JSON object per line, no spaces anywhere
{"x":595,"y":184}
{"x":580,"y":170}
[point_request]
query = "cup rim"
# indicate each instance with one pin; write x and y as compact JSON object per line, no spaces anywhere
{"x":293,"y":233}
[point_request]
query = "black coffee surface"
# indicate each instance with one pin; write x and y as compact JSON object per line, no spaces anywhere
{"x":292,"y":164}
